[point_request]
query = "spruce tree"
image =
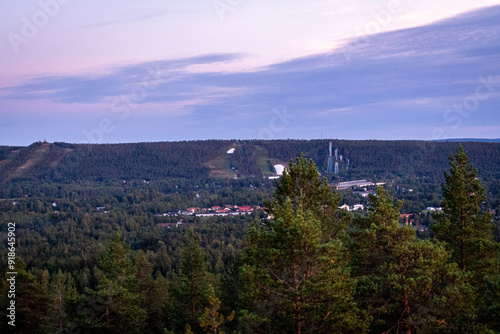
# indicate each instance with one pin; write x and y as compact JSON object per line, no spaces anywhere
{"x":191,"y":286}
{"x":32,"y":304}
{"x":117,"y":301}
{"x":62,"y":290}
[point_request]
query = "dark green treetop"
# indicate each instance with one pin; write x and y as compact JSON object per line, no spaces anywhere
{"x":302,"y":184}
{"x":467,"y":232}
{"x":294,"y":273}
{"x":405,"y":284}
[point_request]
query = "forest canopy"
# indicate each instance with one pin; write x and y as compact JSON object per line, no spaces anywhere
{"x":108,"y":259}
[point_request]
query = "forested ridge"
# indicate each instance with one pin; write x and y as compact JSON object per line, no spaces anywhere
{"x":62,"y":162}
{"x":76,"y":171}
{"x":94,"y":253}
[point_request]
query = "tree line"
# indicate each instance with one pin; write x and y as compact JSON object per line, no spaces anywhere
{"x":62,"y":170}
{"x":306,"y":268}
{"x":62,"y":162}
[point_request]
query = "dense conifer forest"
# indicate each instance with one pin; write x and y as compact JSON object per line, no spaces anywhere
{"x":104,"y":241}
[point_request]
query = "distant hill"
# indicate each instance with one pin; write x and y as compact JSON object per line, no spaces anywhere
{"x":251,"y":159}
{"x":479,"y":140}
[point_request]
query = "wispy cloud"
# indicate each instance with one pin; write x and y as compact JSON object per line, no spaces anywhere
{"x":387,"y":79}
{"x":174,"y":80}
{"x":127,"y":17}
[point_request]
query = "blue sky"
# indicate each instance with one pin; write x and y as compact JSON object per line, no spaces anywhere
{"x":130,"y":71}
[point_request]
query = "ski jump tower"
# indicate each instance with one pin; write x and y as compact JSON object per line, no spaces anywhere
{"x":332,"y":167}
{"x":329,"y":167}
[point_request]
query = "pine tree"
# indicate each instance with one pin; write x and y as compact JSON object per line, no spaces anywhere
{"x":295,"y":279}
{"x":302,"y":185}
{"x":492,"y":300}
{"x":467,"y":232}
{"x":212,"y":319}
{"x":405,"y":284}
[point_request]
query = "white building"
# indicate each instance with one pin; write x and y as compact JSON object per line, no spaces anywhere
{"x":344,"y":207}
{"x":358,"y":207}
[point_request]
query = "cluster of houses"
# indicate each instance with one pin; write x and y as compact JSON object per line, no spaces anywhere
{"x":228,"y":210}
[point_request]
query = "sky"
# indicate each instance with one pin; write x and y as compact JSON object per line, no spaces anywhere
{"x":162,"y":70}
